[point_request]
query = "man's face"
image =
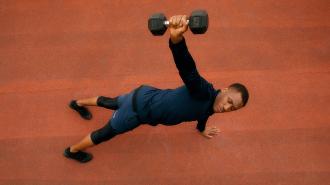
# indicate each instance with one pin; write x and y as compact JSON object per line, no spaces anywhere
{"x":228,"y":100}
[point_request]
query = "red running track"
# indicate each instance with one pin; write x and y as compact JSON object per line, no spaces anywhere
{"x":55,"y":51}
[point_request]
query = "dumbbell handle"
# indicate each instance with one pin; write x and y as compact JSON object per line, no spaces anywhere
{"x":166,"y":23}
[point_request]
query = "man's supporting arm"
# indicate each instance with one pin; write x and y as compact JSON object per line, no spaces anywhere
{"x":201,"y":123}
{"x":207,"y":132}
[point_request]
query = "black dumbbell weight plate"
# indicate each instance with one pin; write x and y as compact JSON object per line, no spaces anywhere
{"x":156,"y":24}
{"x":198,"y":21}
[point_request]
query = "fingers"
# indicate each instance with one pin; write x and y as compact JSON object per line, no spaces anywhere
{"x":211,"y":134}
{"x":178,"y":20}
{"x":216,"y":129}
{"x":184,"y":20}
{"x":175,"y":21}
{"x":205,"y":134}
{"x":212,"y":131}
{"x":208,"y":136}
{"x":172,"y":21}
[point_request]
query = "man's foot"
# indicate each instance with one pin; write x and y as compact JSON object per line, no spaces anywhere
{"x":83,"y":111}
{"x":80,"y":156}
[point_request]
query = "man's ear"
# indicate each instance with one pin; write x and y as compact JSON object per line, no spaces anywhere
{"x":225,"y":89}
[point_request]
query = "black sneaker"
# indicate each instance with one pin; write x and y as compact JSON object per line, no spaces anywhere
{"x":80,"y":156}
{"x":83,"y":111}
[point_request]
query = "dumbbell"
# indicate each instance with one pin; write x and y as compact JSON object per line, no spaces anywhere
{"x":198,"y":23}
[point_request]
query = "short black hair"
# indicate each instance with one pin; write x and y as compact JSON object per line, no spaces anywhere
{"x":243,"y":90}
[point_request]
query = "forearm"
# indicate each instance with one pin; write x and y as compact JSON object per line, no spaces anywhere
{"x":189,"y":74}
{"x":182,"y":58}
{"x":201,"y":124}
{"x":176,"y":39}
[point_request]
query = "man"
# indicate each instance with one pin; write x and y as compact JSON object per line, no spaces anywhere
{"x":195,"y":100}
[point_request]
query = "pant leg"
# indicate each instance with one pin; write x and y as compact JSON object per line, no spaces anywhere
{"x":112,"y":103}
{"x":123,"y":119}
{"x":108,"y":102}
{"x":103,"y":134}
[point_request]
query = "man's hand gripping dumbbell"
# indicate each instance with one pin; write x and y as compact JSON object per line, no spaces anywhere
{"x":177,"y":25}
{"x":198,"y":22}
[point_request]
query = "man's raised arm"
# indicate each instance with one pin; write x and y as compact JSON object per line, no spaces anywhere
{"x":196,"y":84}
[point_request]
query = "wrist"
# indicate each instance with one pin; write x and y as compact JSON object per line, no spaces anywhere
{"x":176,"y":39}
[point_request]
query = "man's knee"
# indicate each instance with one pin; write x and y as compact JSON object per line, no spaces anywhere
{"x":106,"y":102}
{"x":103,"y":134}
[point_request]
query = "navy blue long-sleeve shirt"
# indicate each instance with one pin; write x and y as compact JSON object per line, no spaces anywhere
{"x":190,"y":102}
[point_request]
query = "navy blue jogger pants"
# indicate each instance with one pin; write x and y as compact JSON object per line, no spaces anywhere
{"x":123,"y":119}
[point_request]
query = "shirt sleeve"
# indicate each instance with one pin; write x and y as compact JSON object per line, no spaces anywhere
{"x":196,"y":84}
{"x":201,"y":123}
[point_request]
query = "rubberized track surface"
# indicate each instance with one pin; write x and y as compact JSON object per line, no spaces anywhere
{"x":55,"y":51}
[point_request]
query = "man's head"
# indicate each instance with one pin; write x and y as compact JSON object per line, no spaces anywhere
{"x":232,"y":98}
